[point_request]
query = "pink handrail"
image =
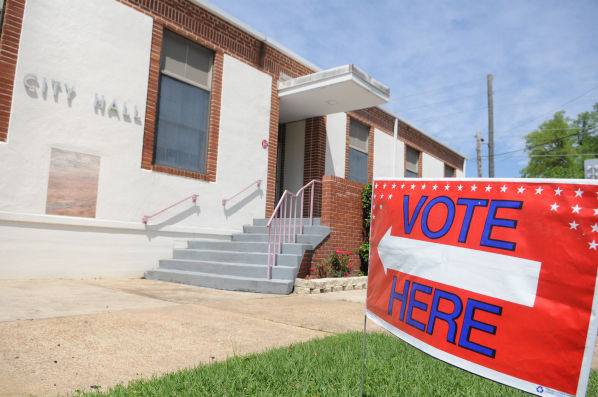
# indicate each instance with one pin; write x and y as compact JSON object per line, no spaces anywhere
{"x":282,"y":225}
{"x":148,"y":217}
{"x":257,"y":183}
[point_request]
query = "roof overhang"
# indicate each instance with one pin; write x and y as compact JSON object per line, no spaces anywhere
{"x":340,"y":89}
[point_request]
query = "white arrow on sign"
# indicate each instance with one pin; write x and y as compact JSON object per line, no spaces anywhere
{"x":499,"y":276}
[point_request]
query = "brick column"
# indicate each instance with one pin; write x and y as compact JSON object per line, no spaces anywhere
{"x":315,"y":157}
{"x":9,"y":48}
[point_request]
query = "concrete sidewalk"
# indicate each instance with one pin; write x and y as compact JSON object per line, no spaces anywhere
{"x":61,"y":335}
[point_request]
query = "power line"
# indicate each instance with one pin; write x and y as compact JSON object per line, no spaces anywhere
{"x":551,"y":112}
{"x":564,"y":155}
{"x":536,"y":145}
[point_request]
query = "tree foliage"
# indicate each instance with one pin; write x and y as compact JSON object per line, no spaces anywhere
{"x":558,"y":147}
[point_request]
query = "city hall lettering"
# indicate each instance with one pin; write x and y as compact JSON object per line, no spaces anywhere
{"x":58,"y":89}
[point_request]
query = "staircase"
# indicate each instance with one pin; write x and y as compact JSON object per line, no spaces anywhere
{"x":242,"y":263}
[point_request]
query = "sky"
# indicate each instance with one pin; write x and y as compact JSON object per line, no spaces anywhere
{"x":435,"y":56}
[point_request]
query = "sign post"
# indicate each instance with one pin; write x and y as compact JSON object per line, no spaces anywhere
{"x":497,"y":277}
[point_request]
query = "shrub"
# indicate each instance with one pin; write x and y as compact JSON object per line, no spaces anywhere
{"x":364,"y":249}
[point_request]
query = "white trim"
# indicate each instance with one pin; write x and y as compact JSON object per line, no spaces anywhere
{"x":16,"y":217}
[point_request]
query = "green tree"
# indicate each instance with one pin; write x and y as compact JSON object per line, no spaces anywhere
{"x":558,"y":147}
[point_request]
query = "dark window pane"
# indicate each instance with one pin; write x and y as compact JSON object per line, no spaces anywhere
{"x":358,"y":166}
{"x":410,"y":174}
{"x":449,"y":172}
{"x":182,"y":125}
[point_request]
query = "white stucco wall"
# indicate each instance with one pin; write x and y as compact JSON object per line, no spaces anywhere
{"x":383,"y":153}
{"x":431,"y":167}
{"x":74,"y":42}
{"x":336,"y":140}
{"x":294,"y":156}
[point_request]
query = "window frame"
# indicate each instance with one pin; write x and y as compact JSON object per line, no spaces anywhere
{"x":151,"y":113}
{"x":350,"y":147}
{"x":419,"y":163}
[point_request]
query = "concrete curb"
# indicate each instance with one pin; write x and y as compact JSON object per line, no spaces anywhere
{"x":323,"y":285}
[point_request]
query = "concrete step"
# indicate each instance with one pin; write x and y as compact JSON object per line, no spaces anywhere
{"x":264,"y":222}
{"x":241,"y":246}
{"x":231,"y":283}
{"x":230,"y":269}
{"x":256,"y":258}
{"x":306,"y":229}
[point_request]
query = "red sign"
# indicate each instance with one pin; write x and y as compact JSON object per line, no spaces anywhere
{"x":496,"y":277}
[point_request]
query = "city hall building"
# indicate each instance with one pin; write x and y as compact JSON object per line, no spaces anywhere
{"x":158,"y":137}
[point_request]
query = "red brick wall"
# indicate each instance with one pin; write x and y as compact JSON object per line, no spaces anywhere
{"x":381,"y":120}
{"x":342,"y":211}
{"x":9,"y":48}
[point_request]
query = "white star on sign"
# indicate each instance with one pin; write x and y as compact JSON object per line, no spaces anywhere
{"x":473,"y":188}
{"x":558,"y":191}
{"x":554,"y":207}
{"x":520,"y":190}
{"x":460,"y":187}
{"x":402,"y":186}
{"x":447,"y":187}
{"x":503,"y":188}
{"x":380,"y":206}
{"x":578,"y":192}
{"x":412,"y":187}
{"x":423,"y":186}
{"x":573,"y":225}
{"x":373,"y":216}
{"x":539,"y":190}
{"x":381,"y":196}
{"x":434,"y":187}
{"x":593,"y":245}
{"x":374,"y":195}
{"x":376,"y":186}
{"x":595,"y":211}
{"x":595,"y":227}
{"x":488,"y":188}
{"x":384,"y":186}
{"x":394,"y":185}
{"x":575,"y":210}
{"x":389,"y":196}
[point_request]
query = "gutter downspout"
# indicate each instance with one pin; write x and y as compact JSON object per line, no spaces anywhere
{"x":394,"y":149}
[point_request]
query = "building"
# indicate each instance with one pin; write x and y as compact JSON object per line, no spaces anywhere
{"x":113,"y":110}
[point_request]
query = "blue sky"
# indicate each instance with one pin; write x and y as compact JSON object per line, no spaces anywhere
{"x":435,"y":55}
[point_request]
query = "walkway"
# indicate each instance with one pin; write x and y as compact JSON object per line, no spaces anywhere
{"x":59,"y":336}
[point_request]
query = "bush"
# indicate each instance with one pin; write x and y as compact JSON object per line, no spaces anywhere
{"x":338,"y":264}
{"x":364,"y":249}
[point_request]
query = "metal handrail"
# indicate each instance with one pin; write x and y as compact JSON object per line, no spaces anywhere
{"x":283,"y":218}
{"x":148,"y":217}
{"x":257,"y":183}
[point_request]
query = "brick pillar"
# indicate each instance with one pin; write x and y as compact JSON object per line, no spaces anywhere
{"x":315,"y":158}
{"x":9,"y":48}
{"x":342,"y":211}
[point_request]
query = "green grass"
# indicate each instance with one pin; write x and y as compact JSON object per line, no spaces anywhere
{"x":326,"y":367}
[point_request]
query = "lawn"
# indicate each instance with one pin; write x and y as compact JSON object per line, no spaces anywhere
{"x":327,"y":367}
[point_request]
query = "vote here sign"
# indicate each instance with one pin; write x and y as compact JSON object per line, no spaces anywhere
{"x":497,"y":277}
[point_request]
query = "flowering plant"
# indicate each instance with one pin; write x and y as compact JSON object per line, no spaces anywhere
{"x":340,"y":263}
{"x":320,"y":270}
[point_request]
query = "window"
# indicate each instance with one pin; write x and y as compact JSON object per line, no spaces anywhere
{"x":183,"y":104}
{"x":412,"y":163}
{"x":358,"y":151}
{"x":449,"y":172}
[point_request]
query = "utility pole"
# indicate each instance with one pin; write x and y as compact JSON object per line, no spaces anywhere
{"x":478,"y":149}
{"x":490,"y":130}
